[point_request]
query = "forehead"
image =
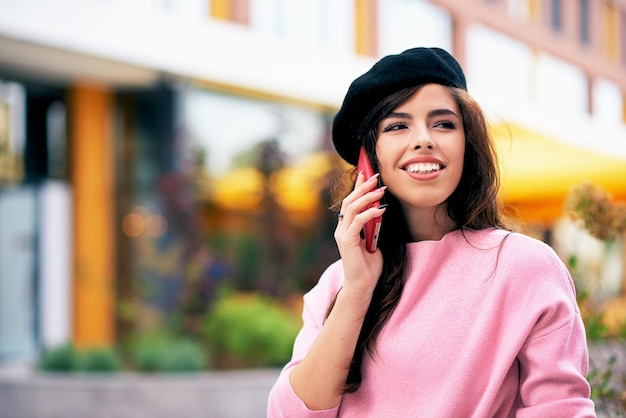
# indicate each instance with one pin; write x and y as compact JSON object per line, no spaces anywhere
{"x":431,"y":95}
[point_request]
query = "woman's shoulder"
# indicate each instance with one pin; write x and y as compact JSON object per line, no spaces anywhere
{"x":529,"y":247}
{"x":529,"y":257}
{"x":517,"y":249}
{"x":510,"y":241}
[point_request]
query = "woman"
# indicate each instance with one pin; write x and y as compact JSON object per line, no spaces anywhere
{"x":452,"y":315}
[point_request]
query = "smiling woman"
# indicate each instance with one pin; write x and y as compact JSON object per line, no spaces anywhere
{"x":452,"y":314}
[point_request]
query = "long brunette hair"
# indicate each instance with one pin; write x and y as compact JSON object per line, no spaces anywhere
{"x":473,"y":205}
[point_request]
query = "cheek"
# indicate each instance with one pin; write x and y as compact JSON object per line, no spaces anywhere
{"x":385,"y":165}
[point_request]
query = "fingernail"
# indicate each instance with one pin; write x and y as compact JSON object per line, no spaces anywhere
{"x":382,"y":188}
{"x":383,"y":206}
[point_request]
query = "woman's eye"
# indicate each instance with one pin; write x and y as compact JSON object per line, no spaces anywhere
{"x":394,"y":127}
{"x":445,"y":124}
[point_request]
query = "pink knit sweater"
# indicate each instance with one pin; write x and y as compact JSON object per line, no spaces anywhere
{"x":487,"y":326}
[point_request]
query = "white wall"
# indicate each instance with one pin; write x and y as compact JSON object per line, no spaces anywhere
{"x":542,"y":92}
{"x":499,"y":70}
{"x":306,"y":24}
{"x":147,"y":34}
{"x":607,"y":103}
{"x":405,"y":24}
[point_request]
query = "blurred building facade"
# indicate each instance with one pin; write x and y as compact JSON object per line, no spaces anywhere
{"x":103,"y":104}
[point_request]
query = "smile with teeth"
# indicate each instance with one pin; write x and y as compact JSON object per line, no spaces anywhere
{"x":423,"y":168}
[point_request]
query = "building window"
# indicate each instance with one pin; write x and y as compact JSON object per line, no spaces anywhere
{"x":584,"y":21}
{"x":406,"y":24}
{"x":319,"y":24}
{"x":556,"y":16}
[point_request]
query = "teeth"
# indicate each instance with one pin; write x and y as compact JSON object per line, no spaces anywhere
{"x":423,"y":168}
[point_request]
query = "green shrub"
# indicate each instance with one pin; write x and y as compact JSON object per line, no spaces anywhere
{"x":161,"y":352}
{"x":66,"y":358}
{"x":99,"y":359}
{"x":250,"y":330}
{"x":63,"y":358}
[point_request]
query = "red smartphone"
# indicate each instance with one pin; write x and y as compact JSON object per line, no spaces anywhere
{"x":372,"y":227}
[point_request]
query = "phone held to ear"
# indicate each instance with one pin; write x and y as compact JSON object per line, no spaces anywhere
{"x":372,"y":227}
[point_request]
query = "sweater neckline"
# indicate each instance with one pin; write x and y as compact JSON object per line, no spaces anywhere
{"x":462,"y":233}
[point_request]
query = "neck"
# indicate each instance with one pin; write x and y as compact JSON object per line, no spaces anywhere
{"x":429,"y":224}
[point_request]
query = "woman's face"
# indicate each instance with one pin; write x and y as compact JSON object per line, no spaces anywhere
{"x":420,"y":148}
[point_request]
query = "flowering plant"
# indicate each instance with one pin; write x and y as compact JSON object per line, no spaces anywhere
{"x":599,"y":214}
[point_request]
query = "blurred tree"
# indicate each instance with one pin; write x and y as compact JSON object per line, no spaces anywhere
{"x":276,"y":237}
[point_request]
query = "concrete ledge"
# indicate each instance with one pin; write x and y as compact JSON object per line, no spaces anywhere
{"x":25,"y":393}
{"x":228,"y":394}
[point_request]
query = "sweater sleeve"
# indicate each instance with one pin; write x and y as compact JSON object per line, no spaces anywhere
{"x":554,"y":359}
{"x":283,"y":401}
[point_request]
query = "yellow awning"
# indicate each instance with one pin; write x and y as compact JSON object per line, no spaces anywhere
{"x":538,"y":172}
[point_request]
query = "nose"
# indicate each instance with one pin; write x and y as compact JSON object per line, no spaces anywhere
{"x":422,"y":141}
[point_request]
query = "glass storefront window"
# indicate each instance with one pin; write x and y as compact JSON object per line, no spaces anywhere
{"x":227,"y":127}
{"x":12,"y":107}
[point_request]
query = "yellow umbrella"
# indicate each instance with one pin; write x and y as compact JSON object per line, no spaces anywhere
{"x":297,"y":188}
{"x":239,"y":189}
{"x":538,"y":171}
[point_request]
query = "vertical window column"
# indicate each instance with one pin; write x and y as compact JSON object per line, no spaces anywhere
{"x":622,"y":37}
{"x":237,"y":11}
{"x":534,"y":10}
{"x":610,"y":35}
{"x":366,"y":28}
{"x":93,"y":216}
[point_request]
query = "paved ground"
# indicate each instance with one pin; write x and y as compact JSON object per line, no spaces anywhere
{"x":231,"y":394}
{"x":237,"y":394}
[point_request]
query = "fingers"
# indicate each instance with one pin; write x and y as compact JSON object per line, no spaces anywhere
{"x":361,"y":267}
{"x":356,"y":210}
{"x":364,"y":194}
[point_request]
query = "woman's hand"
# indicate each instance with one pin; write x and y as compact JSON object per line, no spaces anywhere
{"x":320,"y":377}
{"x":361,"y":268}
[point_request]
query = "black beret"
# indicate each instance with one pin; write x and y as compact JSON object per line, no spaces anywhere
{"x":392,"y":73}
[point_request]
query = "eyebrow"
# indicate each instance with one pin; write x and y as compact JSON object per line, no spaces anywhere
{"x":431,"y":114}
{"x":441,"y":112}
